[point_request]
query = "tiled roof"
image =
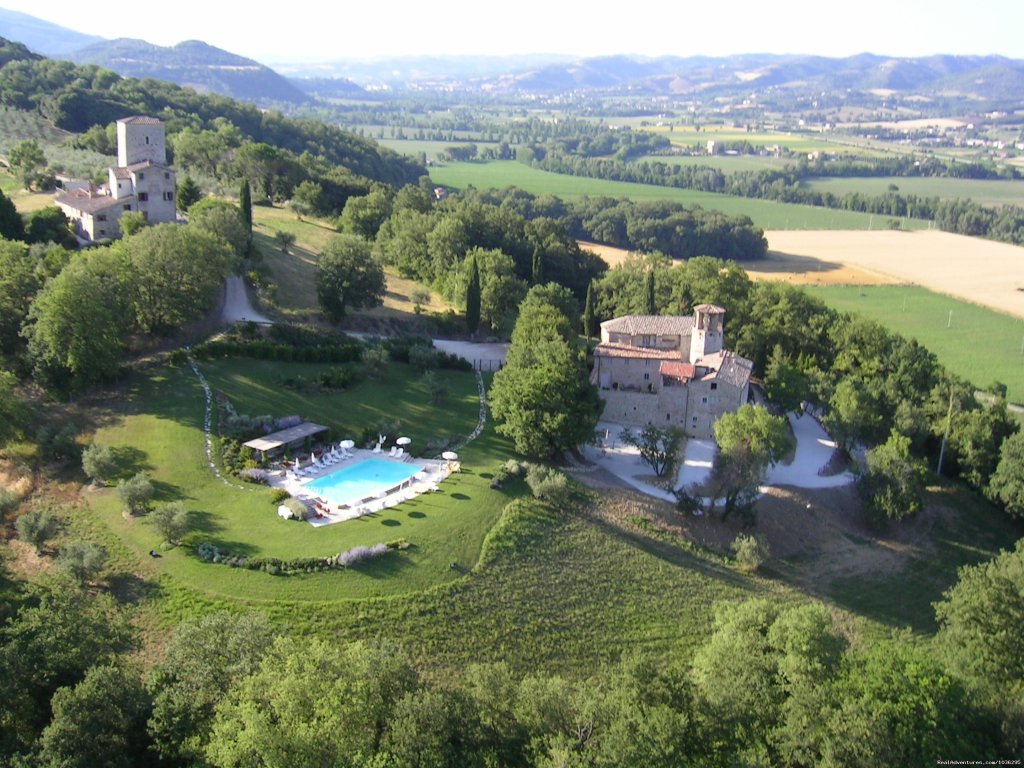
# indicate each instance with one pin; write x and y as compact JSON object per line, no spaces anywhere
{"x":652,"y":325}
{"x":82,"y":201}
{"x":710,"y":309}
{"x":635,"y":353}
{"x":682,"y":371}
{"x":145,"y":164}
{"x":139,"y":120}
{"x":121,"y":173}
{"x":728,"y":367}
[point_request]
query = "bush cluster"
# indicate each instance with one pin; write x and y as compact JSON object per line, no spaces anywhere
{"x":546,"y":483}
{"x":211,"y":553}
{"x":511,"y":469}
{"x":267,"y":350}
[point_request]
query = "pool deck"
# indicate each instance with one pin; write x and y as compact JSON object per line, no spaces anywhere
{"x":328,"y":512}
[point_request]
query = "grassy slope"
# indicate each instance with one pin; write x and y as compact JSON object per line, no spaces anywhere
{"x":764,"y":213}
{"x":981,"y":345}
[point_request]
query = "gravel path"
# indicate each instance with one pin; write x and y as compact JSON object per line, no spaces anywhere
{"x":237,"y":307}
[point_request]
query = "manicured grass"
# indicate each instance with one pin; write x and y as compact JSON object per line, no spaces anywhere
{"x":764,"y":213}
{"x":159,"y":429}
{"x":980,"y":344}
{"x":983,"y":191}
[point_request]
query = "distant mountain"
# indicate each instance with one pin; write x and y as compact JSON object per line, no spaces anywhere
{"x":193,"y":64}
{"x":41,"y":36}
{"x":329,"y":87}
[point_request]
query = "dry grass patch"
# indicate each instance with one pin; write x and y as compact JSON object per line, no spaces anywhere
{"x":979,"y":271}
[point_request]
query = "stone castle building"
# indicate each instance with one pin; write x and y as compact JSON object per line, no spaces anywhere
{"x":670,"y":371}
{"x":142,"y":181}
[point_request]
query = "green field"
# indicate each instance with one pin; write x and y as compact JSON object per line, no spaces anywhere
{"x":982,"y":191}
{"x":431,"y":149}
{"x":764,"y":213}
{"x":980,"y":344}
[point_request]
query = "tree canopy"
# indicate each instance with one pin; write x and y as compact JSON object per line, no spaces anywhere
{"x":348,"y":276}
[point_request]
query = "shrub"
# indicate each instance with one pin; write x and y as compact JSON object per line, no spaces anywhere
{"x":83,"y":560}
{"x":359,"y":554}
{"x":751,"y":552}
{"x":37,"y":527}
{"x":98,"y":463}
{"x":8,"y":500}
{"x":299,"y":510}
{"x":547,"y":484}
{"x":57,"y":442}
{"x":375,"y":361}
{"x":135,"y":492}
{"x":423,"y":358}
{"x":172,"y":521}
{"x":277,"y":495}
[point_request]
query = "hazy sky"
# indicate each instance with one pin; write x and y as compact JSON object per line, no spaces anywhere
{"x":304,"y":30}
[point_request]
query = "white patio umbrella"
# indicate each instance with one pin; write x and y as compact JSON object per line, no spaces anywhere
{"x":449,"y":455}
{"x":403,"y":440}
{"x":346,"y":444}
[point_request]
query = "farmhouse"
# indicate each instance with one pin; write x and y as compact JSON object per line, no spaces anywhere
{"x":670,"y":371}
{"x":142,"y":181}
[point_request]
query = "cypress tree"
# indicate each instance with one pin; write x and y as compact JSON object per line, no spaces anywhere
{"x":537,"y":275}
{"x":588,"y":312}
{"x":473,"y":297}
{"x":11,"y":225}
{"x":189,"y":194}
{"x":245,"y":204}
{"x":651,"y":307}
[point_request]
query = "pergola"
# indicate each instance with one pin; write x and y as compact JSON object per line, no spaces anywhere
{"x":292,"y":437}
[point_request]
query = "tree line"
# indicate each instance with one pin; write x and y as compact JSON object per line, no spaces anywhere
{"x":774,"y":683}
{"x":960,"y":216}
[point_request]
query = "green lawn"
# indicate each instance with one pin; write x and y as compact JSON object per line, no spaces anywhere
{"x":980,"y":344}
{"x":724,"y":163}
{"x":983,"y":191}
{"x":159,"y":428}
{"x":764,"y":213}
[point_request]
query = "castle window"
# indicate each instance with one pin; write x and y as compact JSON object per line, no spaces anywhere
{"x":167,"y":175}
{"x":168,"y":196}
{"x":647,"y":377}
{"x":141,"y":175}
{"x":714,"y":385}
{"x":694,"y":421}
{"x":101,"y":217}
{"x":704,"y":401}
{"x":128,"y":207}
{"x":147,"y":139}
{"x":668,"y":417}
{"x":143,"y":197}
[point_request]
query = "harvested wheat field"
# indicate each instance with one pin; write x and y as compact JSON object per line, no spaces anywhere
{"x":799,"y":270}
{"x":979,"y":271}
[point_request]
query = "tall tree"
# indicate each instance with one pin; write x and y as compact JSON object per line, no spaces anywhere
{"x":245,"y":204}
{"x":25,"y":158}
{"x":543,"y":398}
{"x":749,"y":440}
{"x":1006,"y":486}
{"x":473,"y":297}
{"x":650,"y":301}
{"x":348,"y":276}
{"x":537,"y":267}
{"x":589,"y":320}
{"x":19,"y":283}
{"x":189,"y":193}
{"x":12,"y":227}
{"x":893,"y":486}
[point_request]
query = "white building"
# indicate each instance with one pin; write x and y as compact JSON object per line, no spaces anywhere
{"x":142,"y":181}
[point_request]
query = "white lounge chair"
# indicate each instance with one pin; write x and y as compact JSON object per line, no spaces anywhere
{"x":399,"y":452}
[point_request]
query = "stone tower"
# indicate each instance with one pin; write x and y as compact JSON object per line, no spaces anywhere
{"x":141,"y":140}
{"x":708,"y":335}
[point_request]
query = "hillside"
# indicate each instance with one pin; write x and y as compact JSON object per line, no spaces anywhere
{"x":192,"y":64}
{"x":42,"y":36}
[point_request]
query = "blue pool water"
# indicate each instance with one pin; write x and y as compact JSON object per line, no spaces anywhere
{"x":362,"y":480}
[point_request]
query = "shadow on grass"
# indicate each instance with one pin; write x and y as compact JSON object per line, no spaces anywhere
{"x":386,"y":567}
{"x":391,"y":523}
{"x":129,"y":461}
{"x":130,"y":589}
{"x":417,"y":515}
{"x":166,"y":492}
{"x":203,"y":522}
{"x":460,"y":496}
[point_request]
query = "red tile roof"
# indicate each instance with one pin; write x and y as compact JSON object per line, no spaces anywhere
{"x":635,"y":353}
{"x":682,"y":371}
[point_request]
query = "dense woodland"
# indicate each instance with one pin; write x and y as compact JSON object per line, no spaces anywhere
{"x":772,"y":684}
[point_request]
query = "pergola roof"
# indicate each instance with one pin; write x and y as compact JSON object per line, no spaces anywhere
{"x":285,"y":436}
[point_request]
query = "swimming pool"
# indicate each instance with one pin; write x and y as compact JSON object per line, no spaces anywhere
{"x":362,"y":480}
